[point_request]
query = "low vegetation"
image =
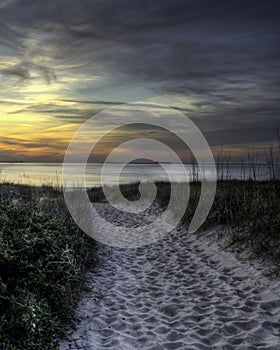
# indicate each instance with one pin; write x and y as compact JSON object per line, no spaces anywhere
{"x":43,"y":259}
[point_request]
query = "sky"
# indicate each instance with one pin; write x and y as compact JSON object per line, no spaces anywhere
{"x":62,"y":61}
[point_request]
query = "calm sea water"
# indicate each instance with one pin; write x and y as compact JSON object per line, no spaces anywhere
{"x":51,"y":173}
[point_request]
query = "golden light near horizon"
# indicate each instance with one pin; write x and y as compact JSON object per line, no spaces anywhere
{"x":38,"y":107}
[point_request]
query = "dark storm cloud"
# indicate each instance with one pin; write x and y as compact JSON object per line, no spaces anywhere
{"x":224,"y":56}
{"x":161,"y":40}
{"x":22,"y":71}
{"x":17,"y":71}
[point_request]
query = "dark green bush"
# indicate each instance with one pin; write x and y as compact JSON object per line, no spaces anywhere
{"x":43,"y":258}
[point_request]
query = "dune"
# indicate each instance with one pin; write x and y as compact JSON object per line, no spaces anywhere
{"x":182,"y":292}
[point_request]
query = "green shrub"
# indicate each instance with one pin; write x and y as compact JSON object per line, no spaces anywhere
{"x":43,"y":258}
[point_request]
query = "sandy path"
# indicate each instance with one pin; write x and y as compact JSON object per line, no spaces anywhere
{"x":176,"y":294}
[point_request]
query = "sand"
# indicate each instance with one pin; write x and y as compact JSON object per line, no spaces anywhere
{"x":182,"y":292}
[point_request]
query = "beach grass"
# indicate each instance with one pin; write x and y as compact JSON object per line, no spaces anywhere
{"x":247,"y":213}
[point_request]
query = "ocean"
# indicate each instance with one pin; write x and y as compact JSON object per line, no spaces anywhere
{"x":51,"y":173}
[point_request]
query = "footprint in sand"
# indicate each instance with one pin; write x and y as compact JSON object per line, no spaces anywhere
{"x":173,"y":294}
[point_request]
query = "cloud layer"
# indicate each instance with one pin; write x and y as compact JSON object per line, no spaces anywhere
{"x":218,"y":61}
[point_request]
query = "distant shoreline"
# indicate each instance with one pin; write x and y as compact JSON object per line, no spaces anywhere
{"x":147,"y":163}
